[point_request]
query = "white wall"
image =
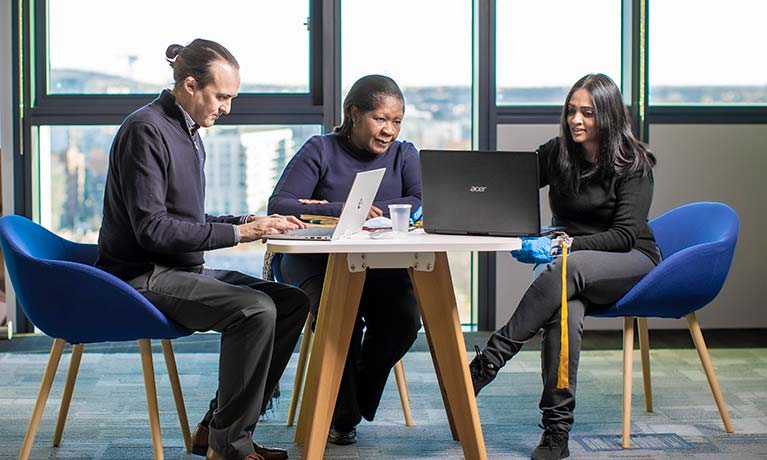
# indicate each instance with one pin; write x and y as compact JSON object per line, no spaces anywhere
{"x":695,"y":163}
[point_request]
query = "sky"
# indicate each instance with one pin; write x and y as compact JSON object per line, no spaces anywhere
{"x":418,"y":42}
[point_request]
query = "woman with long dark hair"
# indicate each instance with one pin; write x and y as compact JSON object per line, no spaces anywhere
{"x":600,"y":190}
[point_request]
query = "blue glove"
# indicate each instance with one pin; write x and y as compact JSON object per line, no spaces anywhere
{"x":534,"y":251}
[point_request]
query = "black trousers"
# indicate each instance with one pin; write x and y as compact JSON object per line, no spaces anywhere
{"x":387,"y":324}
{"x":259,"y":322}
{"x":593,"y":278}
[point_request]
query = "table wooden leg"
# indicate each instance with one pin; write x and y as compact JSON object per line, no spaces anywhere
{"x":339,"y":303}
{"x":434,"y":291}
{"x":442,"y":388}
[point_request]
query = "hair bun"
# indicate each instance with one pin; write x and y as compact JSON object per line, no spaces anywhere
{"x":173,"y":51}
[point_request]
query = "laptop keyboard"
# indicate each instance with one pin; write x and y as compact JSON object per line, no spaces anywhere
{"x":312,"y":231}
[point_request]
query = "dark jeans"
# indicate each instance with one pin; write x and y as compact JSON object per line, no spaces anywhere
{"x":387,"y":324}
{"x":593,"y":277}
{"x":259,"y":322}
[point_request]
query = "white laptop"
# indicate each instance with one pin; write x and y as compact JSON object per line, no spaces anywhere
{"x":353,"y":215}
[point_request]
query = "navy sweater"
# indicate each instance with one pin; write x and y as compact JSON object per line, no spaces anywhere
{"x":154,"y":196}
{"x":607,"y":214}
{"x":324,"y":169}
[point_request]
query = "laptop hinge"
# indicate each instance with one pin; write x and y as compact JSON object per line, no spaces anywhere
{"x":420,"y":261}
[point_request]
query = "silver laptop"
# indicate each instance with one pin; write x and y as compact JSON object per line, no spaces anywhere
{"x":353,"y":215}
{"x":481,"y":193}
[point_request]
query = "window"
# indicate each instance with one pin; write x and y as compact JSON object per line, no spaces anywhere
{"x":120,"y":48}
{"x":253,"y":158}
{"x":245,"y":162}
{"x":87,"y":77}
{"x":542,"y":48}
{"x":242,"y":167}
{"x":72,"y":164}
{"x":435,"y":80}
{"x":703,"y":54}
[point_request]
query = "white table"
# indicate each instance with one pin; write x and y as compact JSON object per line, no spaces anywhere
{"x":425,"y":255}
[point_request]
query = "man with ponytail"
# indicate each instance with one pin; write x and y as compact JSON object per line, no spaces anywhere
{"x":155,"y":231}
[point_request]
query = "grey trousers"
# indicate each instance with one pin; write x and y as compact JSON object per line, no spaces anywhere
{"x":593,"y":278}
{"x":259,"y":322}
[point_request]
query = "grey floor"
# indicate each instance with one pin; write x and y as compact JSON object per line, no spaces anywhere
{"x":108,"y":418}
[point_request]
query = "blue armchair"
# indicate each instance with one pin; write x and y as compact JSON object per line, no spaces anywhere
{"x":73,"y":302}
{"x":697,"y":241}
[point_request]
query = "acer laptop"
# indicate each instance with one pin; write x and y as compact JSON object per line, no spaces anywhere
{"x":481,"y":193}
{"x":353,"y":215}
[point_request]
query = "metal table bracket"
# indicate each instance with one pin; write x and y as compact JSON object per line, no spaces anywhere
{"x":420,"y":261}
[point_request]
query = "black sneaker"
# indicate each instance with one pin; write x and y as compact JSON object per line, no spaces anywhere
{"x":342,"y":438}
{"x":482,"y":371}
{"x":553,"y":445}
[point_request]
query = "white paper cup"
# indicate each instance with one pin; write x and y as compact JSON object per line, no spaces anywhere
{"x":400,"y":217}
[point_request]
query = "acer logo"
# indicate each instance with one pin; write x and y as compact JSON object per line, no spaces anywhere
{"x":477,"y":188}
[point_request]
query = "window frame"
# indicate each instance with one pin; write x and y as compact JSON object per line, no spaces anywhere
{"x":250,"y":108}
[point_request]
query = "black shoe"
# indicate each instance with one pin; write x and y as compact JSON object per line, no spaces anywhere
{"x":482,"y":371}
{"x":342,"y":438}
{"x":553,"y":445}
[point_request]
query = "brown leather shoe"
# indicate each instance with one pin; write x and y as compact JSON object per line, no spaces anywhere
{"x":270,"y":453}
{"x":212,"y":455}
{"x":200,"y":440}
{"x":200,"y":446}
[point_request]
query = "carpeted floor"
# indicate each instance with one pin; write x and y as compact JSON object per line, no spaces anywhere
{"x":108,"y":419}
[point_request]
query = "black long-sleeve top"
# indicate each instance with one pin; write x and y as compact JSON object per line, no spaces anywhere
{"x":155,"y":194}
{"x":608,"y":213}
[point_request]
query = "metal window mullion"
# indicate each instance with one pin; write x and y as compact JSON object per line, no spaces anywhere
{"x":484,"y":133}
{"x":22,"y":136}
{"x":635,"y":64}
{"x":331,"y":63}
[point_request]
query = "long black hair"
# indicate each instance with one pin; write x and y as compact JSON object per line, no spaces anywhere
{"x":194,"y":60}
{"x":365,"y":94}
{"x":620,"y":153}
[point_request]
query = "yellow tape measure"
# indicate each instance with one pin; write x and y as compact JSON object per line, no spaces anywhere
{"x":563,"y":379}
{"x":563,"y":372}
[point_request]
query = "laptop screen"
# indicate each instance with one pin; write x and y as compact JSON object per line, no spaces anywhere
{"x":480,"y":192}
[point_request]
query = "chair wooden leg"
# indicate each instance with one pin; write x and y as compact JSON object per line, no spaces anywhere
{"x":404,"y":394}
{"x":628,"y":352}
{"x":705,"y":360}
{"x":307,"y":338}
{"x":178,"y":395}
{"x":42,"y":398}
{"x":151,"y":396}
{"x":644,"y":349}
{"x":69,"y":387}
